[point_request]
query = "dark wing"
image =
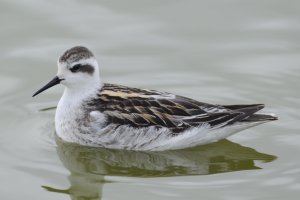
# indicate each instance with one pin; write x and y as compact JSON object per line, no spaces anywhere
{"x":142,"y":108}
{"x":253,"y":108}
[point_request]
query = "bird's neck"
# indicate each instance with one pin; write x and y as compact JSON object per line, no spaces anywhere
{"x":82,"y":92}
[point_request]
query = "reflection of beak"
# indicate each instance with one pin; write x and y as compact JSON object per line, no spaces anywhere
{"x":53,"y":82}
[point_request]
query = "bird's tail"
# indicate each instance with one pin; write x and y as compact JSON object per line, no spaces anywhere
{"x":260,"y":118}
{"x":250,"y":113}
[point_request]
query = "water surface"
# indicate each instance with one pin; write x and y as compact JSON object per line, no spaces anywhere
{"x":220,"y":52}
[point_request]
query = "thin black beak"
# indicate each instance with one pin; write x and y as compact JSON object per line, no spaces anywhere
{"x":53,"y":82}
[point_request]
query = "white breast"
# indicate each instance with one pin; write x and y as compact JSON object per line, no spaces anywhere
{"x":68,"y":117}
{"x":73,"y":123}
{"x":65,"y":120}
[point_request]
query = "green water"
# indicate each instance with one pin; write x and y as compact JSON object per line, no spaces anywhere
{"x":224,"y":52}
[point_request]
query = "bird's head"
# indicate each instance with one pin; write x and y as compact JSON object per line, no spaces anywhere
{"x":77,"y":70}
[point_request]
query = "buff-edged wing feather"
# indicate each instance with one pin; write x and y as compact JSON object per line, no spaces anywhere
{"x":143,"y":108}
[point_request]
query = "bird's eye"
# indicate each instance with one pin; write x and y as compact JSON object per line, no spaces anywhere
{"x":75,"y":68}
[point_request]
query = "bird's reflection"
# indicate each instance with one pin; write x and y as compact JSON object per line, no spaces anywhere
{"x":89,"y":165}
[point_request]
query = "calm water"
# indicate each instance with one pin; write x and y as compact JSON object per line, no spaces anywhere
{"x":216,"y":51}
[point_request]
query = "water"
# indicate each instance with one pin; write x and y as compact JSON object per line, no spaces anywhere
{"x":221,"y":52}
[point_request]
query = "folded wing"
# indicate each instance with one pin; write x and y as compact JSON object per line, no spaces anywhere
{"x":143,"y":108}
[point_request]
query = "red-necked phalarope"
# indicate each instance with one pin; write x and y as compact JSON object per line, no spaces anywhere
{"x":113,"y":116}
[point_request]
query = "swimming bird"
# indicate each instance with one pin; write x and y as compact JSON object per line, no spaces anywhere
{"x":94,"y":113}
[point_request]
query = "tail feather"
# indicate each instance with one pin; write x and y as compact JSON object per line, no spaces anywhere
{"x":243,"y":107}
{"x":260,"y":118}
{"x":249,"y":111}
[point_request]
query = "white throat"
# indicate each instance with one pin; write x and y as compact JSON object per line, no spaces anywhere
{"x":83,"y":90}
{"x":69,"y":108}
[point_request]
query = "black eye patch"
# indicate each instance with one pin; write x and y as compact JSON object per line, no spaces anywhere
{"x":82,"y":68}
{"x":76,"y":68}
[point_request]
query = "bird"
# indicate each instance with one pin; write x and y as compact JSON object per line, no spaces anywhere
{"x":97,"y":114}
